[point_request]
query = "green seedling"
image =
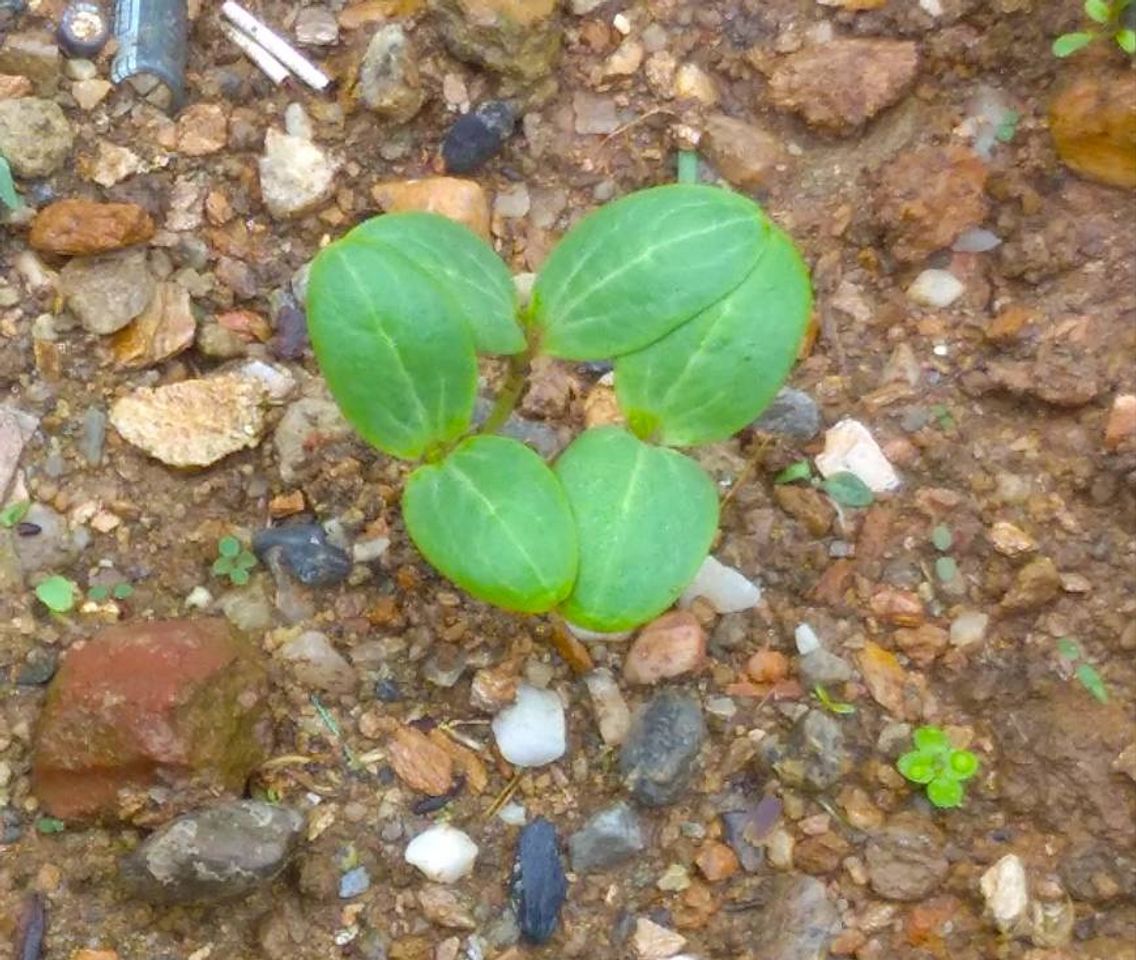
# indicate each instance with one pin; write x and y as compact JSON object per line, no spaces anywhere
{"x":1073,"y":658}
{"x":1113,"y":19}
{"x":844,"y":488}
{"x":14,"y":513}
{"x":233,"y":561}
{"x":8,"y":195}
{"x":120,"y":591}
{"x":50,"y":825}
{"x":832,"y":706}
{"x":943,"y":417}
{"x":1008,"y":127}
{"x":946,"y":569}
{"x":700,"y":301}
{"x":938,"y":766}
{"x":57,"y":593}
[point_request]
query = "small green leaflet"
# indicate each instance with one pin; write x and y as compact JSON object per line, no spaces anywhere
{"x":57,"y":593}
{"x":1007,"y":127}
{"x":1098,"y":11}
{"x":645,"y":516}
{"x":832,"y":706}
{"x":494,"y":519}
{"x":848,"y":490}
{"x":229,"y":547}
{"x":1091,"y":681}
{"x":800,"y":470}
{"x":942,"y":539}
{"x":636,"y":269}
{"x":1126,"y":40}
{"x":946,"y":569}
{"x":1068,"y":44}
{"x":1068,"y":649}
{"x":14,"y":513}
{"x":945,"y":793}
{"x":50,"y":825}
{"x":8,"y":195}
{"x":931,"y":740}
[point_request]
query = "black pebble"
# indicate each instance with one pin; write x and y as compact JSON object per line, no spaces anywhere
{"x":306,"y":553}
{"x":539,"y":884}
{"x":478,"y":136}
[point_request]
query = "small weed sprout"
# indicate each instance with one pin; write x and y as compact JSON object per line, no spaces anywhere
{"x":1073,"y":659}
{"x":1113,"y":19}
{"x":233,"y":561}
{"x":101,"y":592}
{"x":57,"y":593}
{"x":946,"y":569}
{"x":832,"y":706}
{"x":844,"y":488}
{"x":14,"y":513}
{"x":938,"y":766}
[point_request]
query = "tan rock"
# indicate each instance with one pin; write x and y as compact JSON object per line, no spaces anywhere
{"x":716,"y":861}
{"x":446,"y":907}
{"x":420,"y":763}
{"x":193,"y":423}
{"x":468,"y":762}
{"x":691,"y":82}
{"x":767,"y":666}
{"x":1010,"y":541}
{"x":165,"y":328}
{"x":923,"y":644}
{"x":745,"y":155}
{"x":838,"y":86}
{"x":13,"y":86}
{"x":90,"y":93}
{"x":1121,"y":423}
{"x":83,"y":227}
{"x":807,"y":505}
{"x":928,"y":196}
{"x":671,"y":646}
{"x":111,"y":164}
{"x":1036,"y":584}
{"x":655,"y":942}
{"x":202,"y":129}
{"x":601,"y":407}
{"x":890,"y":685}
{"x":461,"y":200}
{"x":520,"y":38}
{"x":494,"y":688}
{"x":33,"y":54}
{"x":1093,"y":124}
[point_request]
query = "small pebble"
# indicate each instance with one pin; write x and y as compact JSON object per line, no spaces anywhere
{"x":531,"y":732}
{"x":976,"y":240}
{"x":807,"y":640}
{"x":539,"y":883}
{"x":658,"y":757}
{"x":850,"y":447}
{"x":354,"y":882}
{"x":306,"y":553}
{"x":936,"y":288}
{"x":610,"y":837}
{"x":443,"y":853}
{"x":727,"y":590}
{"x":478,"y":136}
{"x":969,"y":628}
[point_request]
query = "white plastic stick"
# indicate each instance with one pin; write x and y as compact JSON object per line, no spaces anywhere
{"x":276,"y":45}
{"x":273,"y":68}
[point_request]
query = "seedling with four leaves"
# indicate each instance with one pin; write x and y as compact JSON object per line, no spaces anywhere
{"x":696,"y":296}
{"x":233,"y":561}
{"x":938,"y":766}
{"x":1114,"y":18}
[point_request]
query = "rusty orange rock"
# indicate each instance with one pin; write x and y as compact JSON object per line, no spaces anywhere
{"x":1093,"y":124}
{"x":461,"y":200}
{"x":716,"y":861}
{"x":420,"y":763}
{"x":671,"y":646}
{"x":171,"y":709}
{"x":83,"y":227}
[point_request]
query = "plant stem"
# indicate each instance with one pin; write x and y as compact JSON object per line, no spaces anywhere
{"x":510,"y":393}
{"x":687,"y":166}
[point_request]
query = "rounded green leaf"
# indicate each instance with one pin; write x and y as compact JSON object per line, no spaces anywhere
{"x":1098,"y":10}
{"x":714,"y":374}
{"x":917,"y":767}
{"x":56,"y":593}
{"x":963,"y":764}
{"x":848,"y":490}
{"x":1126,"y":40}
{"x":636,"y":269}
{"x":229,"y":546}
{"x":493,"y":518}
{"x":931,"y":740}
{"x":394,"y":347}
{"x":454,"y":256}
{"x":1069,"y":43}
{"x":645,"y":515}
{"x":942,"y":538}
{"x":945,"y":793}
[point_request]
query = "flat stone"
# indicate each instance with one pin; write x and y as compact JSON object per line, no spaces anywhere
{"x":463,"y":201}
{"x":744,"y":154}
{"x":793,"y":413}
{"x":307,"y":427}
{"x":850,"y":447}
{"x":316,"y":663}
{"x":539,"y":884}
{"x":1036,"y":584}
{"x":35,"y":136}
{"x":905,"y":859}
{"x":219,"y":853}
{"x":83,"y":227}
{"x":16,"y":429}
{"x":1093,"y":124}
{"x":670,"y":646}
{"x":936,"y":288}
{"x":519,"y":38}
{"x":420,"y":763}
{"x":1121,"y":424}
{"x":658,"y":757}
{"x":90,"y":93}
{"x":165,"y":328}
{"x":148,"y":719}
{"x":838,"y":86}
{"x":608,"y":838}
{"x":612,"y":713}
{"x":316,"y":26}
{"x":727,"y":590}
{"x":813,"y":756}
{"x":105,"y":293}
{"x":193,"y":423}
{"x":798,"y":922}
{"x":1005,"y":889}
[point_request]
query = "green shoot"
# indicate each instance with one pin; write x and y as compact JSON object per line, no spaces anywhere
{"x":57,"y":593}
{"x":832,"y":706}
{"x":233,"y":561}
{"x":938,"y":767}
{"x":14,"y":513}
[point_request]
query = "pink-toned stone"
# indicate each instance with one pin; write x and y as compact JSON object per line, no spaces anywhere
{"x":1121,"y":423}
{"x":147,"y":720}
{"x":671,"y":646}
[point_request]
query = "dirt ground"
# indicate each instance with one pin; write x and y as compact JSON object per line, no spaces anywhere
{"x":992,"y":409}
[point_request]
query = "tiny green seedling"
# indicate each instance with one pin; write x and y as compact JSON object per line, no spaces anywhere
{"x":698,"y":299}
{"x":844,"y":488}
{"x":101,"y":592}
{"x":1008,"y":126}
{"x":832,"y":706}
{"x":946,"y":569}
{"x":1073,"y":658}
{"x":57,"y":593}
{"x":50,"y":825}
{"x":14,"y":513}
{"x":938,"y":766}
{"x":943,"y":417}
{"x":8,"y":195}
{"x":1112,"y":18}
{"x":233,"y":561}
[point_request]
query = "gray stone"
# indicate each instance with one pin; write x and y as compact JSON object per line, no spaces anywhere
{"x":51,"y":548}
{"x":308,"y":425}
{"x":215,"y":854}
{"x":295,"y":174}
{"x":34,"y":55}
{"x":798,"y":923}
{"x":610,"y":837}
{"x":107,"y":292}
{"x":823,"y":668}
{"x":248,"y":609}
{"x":35,"y":136}
{"x":93,"y":438}
{"x":905,"y":859}
{"x":657,"y":759}
{"x":318,"y":664}
{"x":793,"y":413}
{"x":813,"y":756}
{"x":16,"y":429}
{"x":388,"y":76}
